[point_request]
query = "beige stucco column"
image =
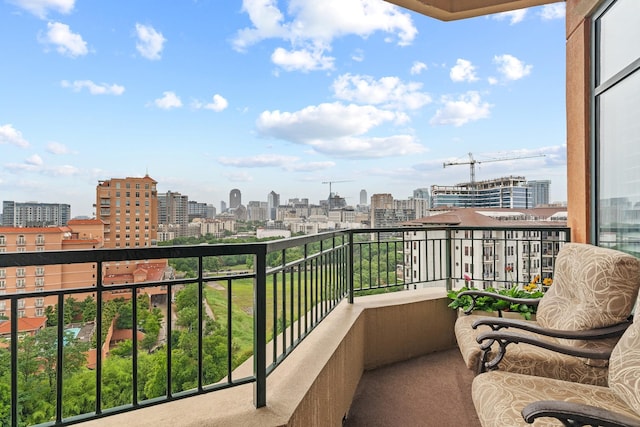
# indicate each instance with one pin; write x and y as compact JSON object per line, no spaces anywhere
{"x":578,"y":28}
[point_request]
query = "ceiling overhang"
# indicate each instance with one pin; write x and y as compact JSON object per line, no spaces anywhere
{"x":450,"y":10}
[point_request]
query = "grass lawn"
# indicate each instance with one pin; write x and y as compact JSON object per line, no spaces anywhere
{"x":242,"y":305}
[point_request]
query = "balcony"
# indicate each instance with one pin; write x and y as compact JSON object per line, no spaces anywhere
{"x":313,"y":336}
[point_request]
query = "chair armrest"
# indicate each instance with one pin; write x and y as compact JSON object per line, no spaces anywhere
{"x":577,"y":414}
{"x":477,"y":294}
{"x":506,"y":337}
{"x":498,"y":323}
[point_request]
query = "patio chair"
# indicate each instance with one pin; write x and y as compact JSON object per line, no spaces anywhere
{"x":509,"y":399}
{"x":587,"y":307}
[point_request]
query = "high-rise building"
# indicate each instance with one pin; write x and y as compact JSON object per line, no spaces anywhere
{"x":201,"y":210}
{"x":539,"y":192}
{"x":421,"y":193}
{"x":223,"y":206}
{"x":173,"y":211}
{"x":235,"y":199}
{"x":273,"y":201}
{"x":129,"y":209}
{"x":380,"y":202}
{"x":34,"y":214}
{"x":363,"y":197}
{"x":257,"y":211}
{"x":505,"y":192}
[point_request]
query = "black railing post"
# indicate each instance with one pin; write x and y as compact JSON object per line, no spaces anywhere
{"x":448,"y":258}
{"x":260,"y":328}
{"x":350,"y":265}
{"x":14,"y":362}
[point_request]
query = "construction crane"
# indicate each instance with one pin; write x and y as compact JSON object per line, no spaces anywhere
{"x":330,"y":192}
{"x":472,"y":165}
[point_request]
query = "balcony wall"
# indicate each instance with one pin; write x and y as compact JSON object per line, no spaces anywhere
{"x":316,"y":384}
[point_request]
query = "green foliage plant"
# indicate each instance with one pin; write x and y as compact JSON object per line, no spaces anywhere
{"x":490,"y":303}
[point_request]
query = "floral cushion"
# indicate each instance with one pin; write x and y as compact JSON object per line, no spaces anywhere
{"x":593,"y":287}
{"x":624,"y":371}
{"x":499,"y":397}
{"x":528,"y":359}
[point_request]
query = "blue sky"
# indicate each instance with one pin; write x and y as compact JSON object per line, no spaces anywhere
{"x":262,"y":95}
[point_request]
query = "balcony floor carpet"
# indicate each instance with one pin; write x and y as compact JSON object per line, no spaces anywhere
{"x":431,"y":390}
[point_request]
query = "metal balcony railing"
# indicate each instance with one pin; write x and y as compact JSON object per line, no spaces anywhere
{"x":209,"y":299}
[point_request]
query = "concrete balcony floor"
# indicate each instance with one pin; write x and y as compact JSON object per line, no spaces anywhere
{"x":430,"y":390}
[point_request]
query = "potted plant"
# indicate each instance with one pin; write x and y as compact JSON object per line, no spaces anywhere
{"x":522,"y":301}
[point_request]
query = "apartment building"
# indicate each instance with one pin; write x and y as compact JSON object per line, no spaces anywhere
{"x":490,"y":253}
{"x":173,"y":212}
{"x":34,"y":214}
{"x":78,"y":234}
{"x":129,"y":209}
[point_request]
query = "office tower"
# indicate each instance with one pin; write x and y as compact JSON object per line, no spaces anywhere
{"x":363,"y":197}
{"x":235,"y":199}
{"x":201,"y":210}
{"x":273,"y":201}
{"x":129,"y":209}
{"x":223,"y":206}
{"x":34,"y":214}
{"x":421,"y":193}
{"x":539,"y":191}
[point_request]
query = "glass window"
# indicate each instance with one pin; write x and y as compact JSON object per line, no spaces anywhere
{"x":617,"y":128}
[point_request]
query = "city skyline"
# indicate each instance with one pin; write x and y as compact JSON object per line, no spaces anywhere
{"x":274,"y":96}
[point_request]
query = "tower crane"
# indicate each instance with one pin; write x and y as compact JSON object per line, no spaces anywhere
{"x":330,"y":193}
{"x":472,"y":165}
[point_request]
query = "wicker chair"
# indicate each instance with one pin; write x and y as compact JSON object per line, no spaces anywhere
{"x":587,"y":307}
{"x":510,"y":399}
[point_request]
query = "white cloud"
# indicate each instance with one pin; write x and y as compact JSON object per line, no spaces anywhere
{"x":358,"y":55}
{"x":34,"y":160}
{"x":492,"y":81}
{"x":219,"y":103}
{"x":239,"y":177}
{"x":418,"y":67}
{"x":94,"y":88}
{"x":466,"y":108}
{"x":12,"y":136}
{"x":310,"y":27}
{"x":35,"y":164}
{"x":67,"y":43}
{"x":303,"y":59}
{"x":389,"y":92}
{"x":41,"y":8}
{"x":259,"y":161}
{"x":168,"y":101}
{"x":287,"y":163}
{"x":463,"y":71}
{"x":57,"y":148}
{"x":514,"y":16}
{"x":150,"y":42}
{"x":338,"y":130}
{"x":309,"y":166}
{"x":553,"y":11}
{"x":511,"y":67}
